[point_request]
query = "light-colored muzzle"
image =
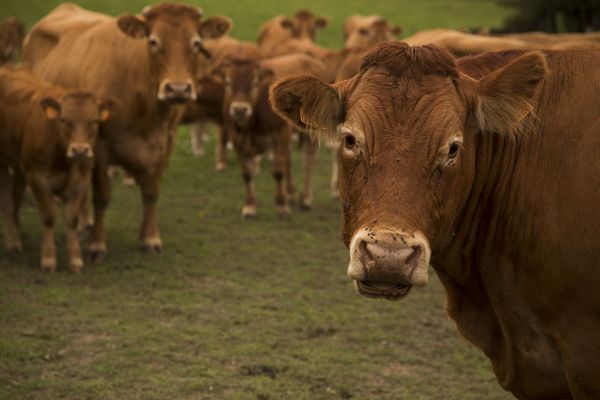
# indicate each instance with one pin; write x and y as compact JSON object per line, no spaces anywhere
{"x":80,"y":150}
{"x":386,"y":263}
{"x":177,"y":92}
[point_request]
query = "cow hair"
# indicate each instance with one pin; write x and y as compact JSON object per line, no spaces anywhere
{"x":400,"y":59}
{"x":171,"y":10}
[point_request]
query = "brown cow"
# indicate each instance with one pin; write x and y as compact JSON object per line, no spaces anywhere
{"x":147,"y":63}
{"x":254,"y":127}
{"x":362,"y":32}
{"x":47,"y":136}
{"x":12,"y":32}
{"x":486,"y":170}
{"x":281,"y":35}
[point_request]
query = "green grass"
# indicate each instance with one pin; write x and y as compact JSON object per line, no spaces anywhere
{"x":233,"y":309}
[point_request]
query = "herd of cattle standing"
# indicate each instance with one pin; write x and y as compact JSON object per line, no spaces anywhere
{"x":483,"y":165}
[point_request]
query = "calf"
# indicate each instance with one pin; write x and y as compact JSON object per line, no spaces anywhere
{"x":12,"y":32}
{"x":47,"y":137}
{"x":254,"y":127}
{"x":362,"y":32}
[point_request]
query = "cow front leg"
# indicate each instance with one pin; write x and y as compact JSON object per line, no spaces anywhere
{"x":281,"y":161}
{"x":12,"y":239}
{"x":101,"y":194}
{"x":198,"y":134}
{"x":71,"y":216}
{"x":149,"y":234}
{"x":310,"y":156}
{"x":248,"y":165}
{"x":221,"y":148}
{"x":47,"y":210}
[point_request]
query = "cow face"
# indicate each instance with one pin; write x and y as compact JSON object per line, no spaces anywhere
{"x":409,"y":124}
{"x":12,"y":33}
{"x":174,"y":34}
{"x":243,"y":80}
{"x":365,"y":32}
{"x":77,"y":117}
{"x":304,"y":25}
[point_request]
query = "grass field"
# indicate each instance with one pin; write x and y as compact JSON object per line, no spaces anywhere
{"x":233,"y":309}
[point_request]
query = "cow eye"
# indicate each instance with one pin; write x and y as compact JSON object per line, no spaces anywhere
{"x":363,"y":32}
{"x":453,"y":151}
{"x":350,"y":141}
{"x":154,"y":44}
{"x":197,"y":45}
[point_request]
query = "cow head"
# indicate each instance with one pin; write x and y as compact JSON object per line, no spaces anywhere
{"x":408,"y":124}
{"x":77,"y":117}
{"x":174,"y":34}
{"x":12,"y":32}
{"x":304,"y":25}
{"x":244,"y":80}
{"x":364,"y":32}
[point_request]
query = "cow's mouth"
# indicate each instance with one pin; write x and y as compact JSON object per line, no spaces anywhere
{"x":383,"y":290}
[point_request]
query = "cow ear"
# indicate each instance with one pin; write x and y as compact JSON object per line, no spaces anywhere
{"x":133,"y":26}
{"x":104,"y":109}
{"x":396,"y":30}
{"x":215,"y":27}
{"x":307,"y":104}
{"x":287,"y":23}
{"x":321,"y":22}
{"x":51,"y":107}
{"x":266,"y":73}
{"x":505,"y":96}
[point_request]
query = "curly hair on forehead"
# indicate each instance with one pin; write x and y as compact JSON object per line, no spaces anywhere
{"x":403,"y":60}
{"x":171,"y":10}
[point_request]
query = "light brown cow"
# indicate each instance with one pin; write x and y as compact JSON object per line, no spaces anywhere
{"x":362,"y":32}
{"x":47,"y":136}
{"x":282,"y":35}
{"x":486,"y":170}
{"x":12,"y":32}
{"x":148,"y":64}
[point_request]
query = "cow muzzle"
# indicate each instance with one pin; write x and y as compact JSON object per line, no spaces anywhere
{"x":387,"y":264}
{"x":176,"y":92}
{"x":80,"y":150}
{"x":240,"y":112}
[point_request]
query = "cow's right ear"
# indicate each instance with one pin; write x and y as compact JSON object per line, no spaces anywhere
{"x":307,"y":104}
{"x":287,"y":23}
{"x":215,"y":27}
{"x":51,"y":107}
{"x":133,"y":26}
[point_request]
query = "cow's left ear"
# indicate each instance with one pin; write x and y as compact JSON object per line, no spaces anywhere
{"x":215,"y":27}
{"x":104,"y":108}
{"x":505,"y":96}
{"x":51,"y":107}
{"x":321,"y":22}
{"x":396,"y":30}
{"x":133,"y":26}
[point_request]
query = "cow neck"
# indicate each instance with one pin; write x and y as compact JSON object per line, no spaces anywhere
{"x":495,"y":212}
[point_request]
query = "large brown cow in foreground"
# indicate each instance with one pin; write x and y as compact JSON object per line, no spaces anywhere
{"x":487,"y":170}
{"x":148,"y":64}
{"x":47,"y":135}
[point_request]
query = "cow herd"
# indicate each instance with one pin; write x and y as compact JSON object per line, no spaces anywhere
{"x":484,"y":166}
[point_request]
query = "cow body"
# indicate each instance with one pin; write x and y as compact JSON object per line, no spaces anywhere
{"x":484,"y":170}
{"x":46,"y":136}
{"x":147,"y":64}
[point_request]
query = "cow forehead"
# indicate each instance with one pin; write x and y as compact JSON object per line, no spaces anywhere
{"x":79,"y":107}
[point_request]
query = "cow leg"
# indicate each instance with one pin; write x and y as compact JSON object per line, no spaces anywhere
{"x":12,"y":239}
{"x":335,"y":183}
{"x":86,"y":218}
{"x":19,"y":185}
{"x":281,"y":160}
{"x":310,"y":156}
{"x":198,"y":133}
{"x":128,"y":180}
{"x":221,"y":148}
{"x":248,"y":165}
{"x":101,"y":195}
{"x":47,"y":209}
{"x":149,"y":233}
{"x":71,"y":216}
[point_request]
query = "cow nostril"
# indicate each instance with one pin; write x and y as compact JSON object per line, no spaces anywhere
{"x":413,"y":258}
{"x":366,"y":258}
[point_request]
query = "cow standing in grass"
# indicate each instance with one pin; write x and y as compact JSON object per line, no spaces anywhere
{"x":148,"y":64}
{"x":486,"y":170}
{"x":47,"y":137}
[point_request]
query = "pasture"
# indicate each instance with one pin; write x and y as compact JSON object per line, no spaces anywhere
{"x":233,"y":309}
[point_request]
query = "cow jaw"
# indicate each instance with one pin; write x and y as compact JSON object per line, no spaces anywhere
{"x":388,"y":263}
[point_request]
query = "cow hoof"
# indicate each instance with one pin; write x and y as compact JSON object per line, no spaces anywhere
{"x":76,"y":265}
{"x":14,"y":248}
{"x":48,"y":264}
{"x":249,"y":212}
{"x":152,"y":246}
{"x":220,"y":166}
{"x":283,"y":212}
{"x":96,"y":253}
{"x":305,"y":206}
